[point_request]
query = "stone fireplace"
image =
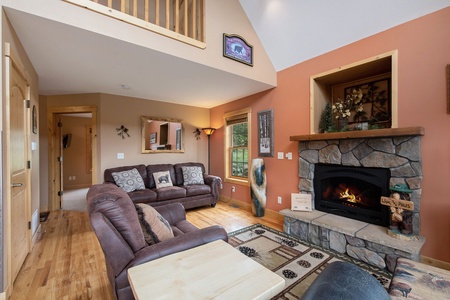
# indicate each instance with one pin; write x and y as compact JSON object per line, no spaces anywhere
{"x":395,"y":156}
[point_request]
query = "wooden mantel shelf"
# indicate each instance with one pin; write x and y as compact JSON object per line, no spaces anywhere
{"x":360,"y":134}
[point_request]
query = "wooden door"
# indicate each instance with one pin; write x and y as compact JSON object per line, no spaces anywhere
{"x":18,"y":162}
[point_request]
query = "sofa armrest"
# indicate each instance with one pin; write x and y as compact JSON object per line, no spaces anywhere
{"x":214,"y":182}
{"x":173,"y":212}
{"x":179,"y":243}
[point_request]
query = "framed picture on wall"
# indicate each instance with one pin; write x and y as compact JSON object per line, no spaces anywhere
{"x":448,"y":88}
{"x":236,"y":48}
{"x":265,"y":133}
{"x":153,"y":138}
{"x":34,"y":120}
{"x":178,"y":139}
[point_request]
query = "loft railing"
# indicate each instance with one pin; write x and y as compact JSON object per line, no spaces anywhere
{"x":179,"y":19}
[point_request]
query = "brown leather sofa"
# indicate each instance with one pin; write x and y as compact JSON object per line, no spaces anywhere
{"x":190,"y":195}
{"x":115,"y":221}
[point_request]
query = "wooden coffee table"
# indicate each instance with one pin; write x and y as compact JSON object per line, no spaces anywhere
{"x":212,"y":271}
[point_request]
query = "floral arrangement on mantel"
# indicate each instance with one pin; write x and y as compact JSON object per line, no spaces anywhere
{"x":341,"y":110}
{"x":352,"y":103}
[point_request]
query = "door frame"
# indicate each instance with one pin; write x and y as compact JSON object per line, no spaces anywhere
{"x":11,"y":60}
{"x":54,"y":141}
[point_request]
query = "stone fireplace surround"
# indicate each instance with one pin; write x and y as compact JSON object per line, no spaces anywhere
{"x":397,"y":149}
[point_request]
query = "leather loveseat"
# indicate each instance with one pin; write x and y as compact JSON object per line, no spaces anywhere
{"x":115,"y":221}
{"x":190,"y":195}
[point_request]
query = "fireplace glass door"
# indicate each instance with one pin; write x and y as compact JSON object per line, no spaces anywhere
{"x":352,"y":192}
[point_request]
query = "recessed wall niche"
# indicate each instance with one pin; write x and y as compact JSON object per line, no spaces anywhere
{"x":380,"y":66}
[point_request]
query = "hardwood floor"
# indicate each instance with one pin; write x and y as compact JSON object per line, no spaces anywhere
{"x":67,"y":261}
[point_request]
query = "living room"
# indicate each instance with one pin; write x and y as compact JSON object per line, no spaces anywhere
{"x":422,"y":57}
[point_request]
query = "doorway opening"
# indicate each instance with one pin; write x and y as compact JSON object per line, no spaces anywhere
{"x":72,"y":151}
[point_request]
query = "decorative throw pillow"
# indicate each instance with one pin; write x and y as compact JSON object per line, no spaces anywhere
{"x":129,"y":180}
{"x":162,"y":179}
{"x":156,"y":229}
{"x":192,"y":175}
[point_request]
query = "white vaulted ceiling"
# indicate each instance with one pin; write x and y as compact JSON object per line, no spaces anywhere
{"x":71,"y":60}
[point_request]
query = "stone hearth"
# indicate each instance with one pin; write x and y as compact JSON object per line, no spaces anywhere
{"x":395,"y":149}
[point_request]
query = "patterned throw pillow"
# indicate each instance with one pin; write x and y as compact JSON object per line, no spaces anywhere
{"x":155,"y":228}
{"x":192,"y":175}
{"x":129,"y":180}
{"x":162,"y":179}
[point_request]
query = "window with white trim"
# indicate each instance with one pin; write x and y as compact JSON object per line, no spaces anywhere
{"x":237,"y":146}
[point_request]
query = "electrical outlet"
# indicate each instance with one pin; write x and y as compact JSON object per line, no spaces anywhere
{"x":74,"y":177}
{"x":233,"y":189}
{"x":279,"y":199}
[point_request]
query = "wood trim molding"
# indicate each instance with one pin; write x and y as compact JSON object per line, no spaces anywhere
{"x":376,"y":133}
{"x":268,"y":214}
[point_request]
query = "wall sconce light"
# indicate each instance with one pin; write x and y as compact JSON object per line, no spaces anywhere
{"x":208,"y":131}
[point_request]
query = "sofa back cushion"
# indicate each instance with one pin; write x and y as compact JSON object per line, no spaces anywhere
{"x":108,"y":176}
{"x":159,"y":168}
{"x":179,"y":171}
{"x":116,"y":206}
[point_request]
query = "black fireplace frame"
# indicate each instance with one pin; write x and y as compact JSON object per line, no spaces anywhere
{"x":379,"y":177}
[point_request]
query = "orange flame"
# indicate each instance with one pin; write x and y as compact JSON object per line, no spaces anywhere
{"x":349,"y":197}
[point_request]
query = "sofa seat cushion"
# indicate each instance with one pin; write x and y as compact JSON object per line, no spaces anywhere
{"x":198,"y":189}
{"x":170,"y":192}
{"x":143,"y":196}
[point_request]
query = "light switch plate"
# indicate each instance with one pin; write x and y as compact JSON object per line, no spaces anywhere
{"x":280,"y":155}
{"x":120,"y":155}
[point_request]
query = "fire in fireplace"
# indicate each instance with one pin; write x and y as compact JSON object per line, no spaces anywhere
{"x":352,"y":192}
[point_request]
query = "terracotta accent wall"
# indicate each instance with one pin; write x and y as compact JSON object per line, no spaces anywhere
{"x":423,"y":51}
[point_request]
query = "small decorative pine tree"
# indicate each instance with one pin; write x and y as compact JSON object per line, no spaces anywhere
{"x":326,"y":123}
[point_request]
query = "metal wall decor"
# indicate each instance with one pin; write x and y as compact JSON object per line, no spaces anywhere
{"x":122,"y":131}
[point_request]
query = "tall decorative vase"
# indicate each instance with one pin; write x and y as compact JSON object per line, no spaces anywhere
{"x":258,"y":186}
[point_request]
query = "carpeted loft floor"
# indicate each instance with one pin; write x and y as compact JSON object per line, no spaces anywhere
{"x":298,"y":263}
{"x":74,"y":200}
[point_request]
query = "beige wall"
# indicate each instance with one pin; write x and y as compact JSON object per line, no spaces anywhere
{"x":220,"y":17}
{"x":76,"y":155}
{"x":115,"y":111}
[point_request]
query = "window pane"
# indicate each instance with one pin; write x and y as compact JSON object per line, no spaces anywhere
{"x":239,"y":135}
{"x":239,"y":162}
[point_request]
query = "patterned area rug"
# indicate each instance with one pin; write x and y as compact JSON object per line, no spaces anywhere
{"x":294,"y":260}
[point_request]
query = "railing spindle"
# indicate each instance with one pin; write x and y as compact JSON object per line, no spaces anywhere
{"x":194,"y":16}
{"x":167,"y":14}
{"x":187,"y":20}
{"x":177,"y":16}
{"x":157,"y":13}
{"x":146,"y":10}
{"x":186,"y":29}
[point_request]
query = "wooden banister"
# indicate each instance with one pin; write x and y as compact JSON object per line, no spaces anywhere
{"x":185,"y":18}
